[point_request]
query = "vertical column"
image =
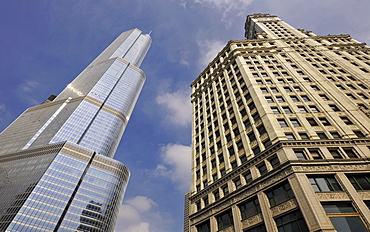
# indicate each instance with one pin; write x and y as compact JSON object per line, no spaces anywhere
{"x":266,"y":212}
{"x":309,"y":204}
{"x":213,"y":223}
{"x":236,"y":217}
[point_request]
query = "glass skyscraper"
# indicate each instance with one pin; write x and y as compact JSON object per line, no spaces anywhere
{"x":57,"y":171}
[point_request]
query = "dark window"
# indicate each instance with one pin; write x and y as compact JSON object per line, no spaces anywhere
{"x":204,"y":227}
{"x":269,"y":99}
{"x":295,"y":122}
{"x":360,"y":182}
{"x":324,"y":121}
{"x":346,"y":120}
{"x":344,"y":217}
{"x":262,"y":168}
{"x":282,"y":123}
{"x":359,"y":134}
{"x":279,"y":194}
{"x":294,"y":98}
{"x":335,"y":135}
{"x":237,"y":182}
{"x":350,"y":152}
{"x":292,"y":222}
{"x":287,"y":110}
{"x":300,"y":154}
{"x":225,"y":220}
{"x":280,"y":99}
{"x":303,"y":136}
{"x":315,"y":153}
{"x":335,"y":153}
{"x":274,"y":161}
{"x":248,"y":177}
{"x":322,"y":135}
{"x":324,"y":184}
{"x":302,"y":109}
{"x":305,"y":98}
{"x":275,"y":110}
{"x":216,"y":194}
{"x":312,"y":122}
{"x":334,"y":107}
{"x":225,"y":190}
{"x":289,"y":136}
{"x":250,"y":208}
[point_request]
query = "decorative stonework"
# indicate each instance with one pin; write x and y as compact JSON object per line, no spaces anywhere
{"x":316,"y":168}
{"x":365,"y":195}
{"x":252,"y":221}
{"x":324,"y":196}
{"x":284,"y":207}
{"x":228,"y":229}
{"x":351,"y":167}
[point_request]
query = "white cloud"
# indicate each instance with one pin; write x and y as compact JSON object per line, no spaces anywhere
{"x":229,"y":8}
{"x":131,"y":216}
{"x":27,"y":89}
{"x":208,"y":50}
{"x":176,"y":165}
{"x":141,"y":203}
{"x":140,"y":214}
{"x":177,"y":107}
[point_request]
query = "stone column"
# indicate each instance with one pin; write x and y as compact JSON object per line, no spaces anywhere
{"x":309,"y":204}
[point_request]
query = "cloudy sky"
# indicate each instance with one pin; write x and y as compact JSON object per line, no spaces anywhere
{"x":45,"y":44}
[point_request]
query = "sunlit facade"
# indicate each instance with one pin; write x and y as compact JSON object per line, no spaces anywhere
{"x":280,"y":135}
{"x":57,"y":171}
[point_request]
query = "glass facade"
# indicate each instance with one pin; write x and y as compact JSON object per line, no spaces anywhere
{"x":57,"y":171}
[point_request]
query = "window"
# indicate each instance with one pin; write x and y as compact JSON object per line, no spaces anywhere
{"x":282,"y":123}
{"x":237,"y":182}
{"x":290,"y":80}
{"x":259,"y":82}
{"x":305,"y":98}
{"x":274,"y":90}
{"x":289,"y":136}
{"x":216,"y":194}
{"x":300,"y":154}
{"x":275,"y":110}
{"x":312,"y":121}
{"x":314,"y":109}
{"x":225,"y":220}
{"x":303,"y":136}
{"x":262,"y":168}
{"x":359,"y":134}
{"x":287,"y":110}
{"x":296,"y":88}
{"x":335,"y":135}
{"x":350,"y":152}
{"x":269,"y":99}
{"x":335,"y":153}
{"x":334,"y":107}
{"x":204,"y":227}
{"x":294,"y":98}
{"x":314,"y":87}
{"x":322,"y":135}
{"x":360,"y":182}
{"x":292,"y":222}
{"x":324,"y":184}
{"x":287,"y":89}
{"x":248,"y":176}
{"x":295,"y":122}
{"x":324,"y":97}
{"x":302,"y":109}
{"x":279,"y":194}
{"x":250,"y":208}
{"x":346,"y":120}
{"x":206,"y":201}
{"x":344,"y":217}
{"x":315,"y":153}
{"x":274,"y":161}
{"x":221,"y":158}
{"x":225,"y":190}
{"x":324,"y":121}
{"x":280,"y":99}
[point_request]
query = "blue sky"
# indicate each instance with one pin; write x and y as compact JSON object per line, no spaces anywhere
{"x":46,"y":44}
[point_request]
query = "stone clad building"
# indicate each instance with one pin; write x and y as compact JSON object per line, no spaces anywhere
{"x":281,"y":134}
